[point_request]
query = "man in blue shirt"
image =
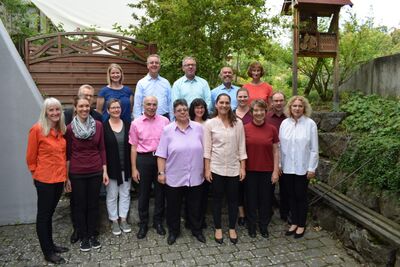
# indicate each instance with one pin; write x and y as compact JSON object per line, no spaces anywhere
{"x":191,"y":86}
{"x":226,"y":75}
{"x":153,"y":85}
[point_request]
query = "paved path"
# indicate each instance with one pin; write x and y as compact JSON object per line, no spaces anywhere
{"x":19,"y":247}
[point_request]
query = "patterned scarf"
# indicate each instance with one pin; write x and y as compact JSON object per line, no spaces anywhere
{"x":83,"y":130}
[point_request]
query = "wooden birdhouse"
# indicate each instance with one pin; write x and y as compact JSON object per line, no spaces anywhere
{"x":311,"y":40}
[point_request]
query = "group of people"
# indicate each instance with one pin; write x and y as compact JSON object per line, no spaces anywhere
{"x":172,"y":145}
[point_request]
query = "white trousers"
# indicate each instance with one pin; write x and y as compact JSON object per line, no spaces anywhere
{"x":114,"y":208}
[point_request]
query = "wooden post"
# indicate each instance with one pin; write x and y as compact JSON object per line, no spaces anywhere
{"x":336,"y":71}
{"x":295,"y":50}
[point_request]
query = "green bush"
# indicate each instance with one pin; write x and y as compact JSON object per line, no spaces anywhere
{"x":375,"y":125}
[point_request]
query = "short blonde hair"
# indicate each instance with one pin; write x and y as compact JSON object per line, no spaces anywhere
{"x":306,"y":104}
{"x":44,"y":121}
{"x":114,"y":66}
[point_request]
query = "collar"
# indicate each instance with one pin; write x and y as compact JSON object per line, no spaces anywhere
{"x":190,"y":125}
{"x":273,"y":114}
{"x":148,"y":77}
{"x":185,"y":79}
{"x":145,"y":118}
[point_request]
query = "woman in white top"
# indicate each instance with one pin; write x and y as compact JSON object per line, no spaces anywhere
{"x":224,"y":157}
{"x":298,"y":137}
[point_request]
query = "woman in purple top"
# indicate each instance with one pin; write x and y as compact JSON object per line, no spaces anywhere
{"x":115,"y":89}
{"x":181,"y":169}
{"x":86,"y":161}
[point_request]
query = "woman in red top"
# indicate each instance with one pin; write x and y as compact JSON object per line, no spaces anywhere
{"x":262,"y":168}
{"x":86,"y":158}
{"x":46,"y":161}
{"x":257,"y":88}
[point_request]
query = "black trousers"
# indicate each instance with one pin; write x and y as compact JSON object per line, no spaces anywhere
{"x":297,"y":186}
{"x":48,"y":196}
{"x":85,"y":191}
{"x":242,"y":194}
{"x":283,"y":198}
{"x":193,"y":200}
{"x":229,"y":186}
{"x":259,"y":199}
{"x":204,"y":201}
{"x":147,"y":167}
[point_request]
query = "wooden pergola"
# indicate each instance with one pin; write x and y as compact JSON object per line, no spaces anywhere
{"x":308,"y":41}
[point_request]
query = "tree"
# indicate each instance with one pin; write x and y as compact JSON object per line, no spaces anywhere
{"x":210,"y":30}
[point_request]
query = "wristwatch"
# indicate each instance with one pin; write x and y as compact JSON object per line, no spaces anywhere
{"x":161,"y":173}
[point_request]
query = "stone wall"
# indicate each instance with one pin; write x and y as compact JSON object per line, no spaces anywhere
{"x":379,"y":76}
{"x":360,"y":243}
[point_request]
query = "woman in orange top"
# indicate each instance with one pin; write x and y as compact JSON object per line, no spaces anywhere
{"x":257,"y":88}
{"x":46,"y":159}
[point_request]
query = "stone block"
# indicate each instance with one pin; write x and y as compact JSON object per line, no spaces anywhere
{"x":328,"y":121}
{"x":389,"y":207}
{"x":333,"y":145}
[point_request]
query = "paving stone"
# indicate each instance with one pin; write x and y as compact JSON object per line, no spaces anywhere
{"x":221,"y":258}
{"x":107,"y":263}
{"x":312,"y":253}
{"x":315,"y":262}
{"x":208,"y":251}
{"x":205,"y":260}
{"x":140,"y":252}
{"x":278,"y":259}
{"x":296,"y":264}
{"x":262,"y":252}
{"x":332,"y":259}
{"x":240,"y":263}
{"x":171,"y":256}
{"x":295,"y":256}
{"x":151,"y":259}
{"x":313,"y":243}
{"x":259,"y":262}
{"x":243,"y":255}
{"x":185,"y":262}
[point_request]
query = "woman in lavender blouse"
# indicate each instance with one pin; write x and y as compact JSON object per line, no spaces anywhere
{"x":180,"y":168}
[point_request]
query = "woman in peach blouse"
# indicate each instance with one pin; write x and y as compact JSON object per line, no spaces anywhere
{"x":224,"y":157}
{"x":46,"y":160}
{"x":257,"y":88}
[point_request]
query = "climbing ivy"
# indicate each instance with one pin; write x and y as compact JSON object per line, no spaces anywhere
{"x":374,"y":123}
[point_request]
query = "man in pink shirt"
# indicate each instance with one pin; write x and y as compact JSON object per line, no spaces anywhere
{"x":144,"y":136}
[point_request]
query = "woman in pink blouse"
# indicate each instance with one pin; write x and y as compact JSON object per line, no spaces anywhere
{"x":224,"y":157}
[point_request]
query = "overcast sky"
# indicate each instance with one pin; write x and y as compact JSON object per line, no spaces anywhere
{"x":385,"y":12}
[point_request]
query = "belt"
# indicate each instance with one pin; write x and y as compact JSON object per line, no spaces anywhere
{"x":152,"y":153}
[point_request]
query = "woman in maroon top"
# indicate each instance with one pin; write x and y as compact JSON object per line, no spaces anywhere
{"x":262,"y":168}
{"x":242,"y":112}
{"x":86,"y":160}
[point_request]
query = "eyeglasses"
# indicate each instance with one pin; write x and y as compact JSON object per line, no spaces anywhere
{"x":181,"y":110}
{"x":114,"y":108}
{"x":153,"y":63}
{"x":189,"y":65}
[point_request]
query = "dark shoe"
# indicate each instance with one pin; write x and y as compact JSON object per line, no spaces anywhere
{"x":203,"y":225}
{"x":94,"y":243}
{"x":242,"y":221}
{"x":171,"y":239}
{"x":74,"y":237}
{"x":160,"y":229}
{"x":200,"y":237}
{"x":54,"y":258}
{"x":58,"y":249}
{"x":264,"y":233}
{"x":142,"y":232}
{"x":289,"y":233}
{"x":252,"y":233}
{"x":233,"y":240}
{"x":296,"y":235}
{"x":219,"y":240}
{"x":85,"y":245}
